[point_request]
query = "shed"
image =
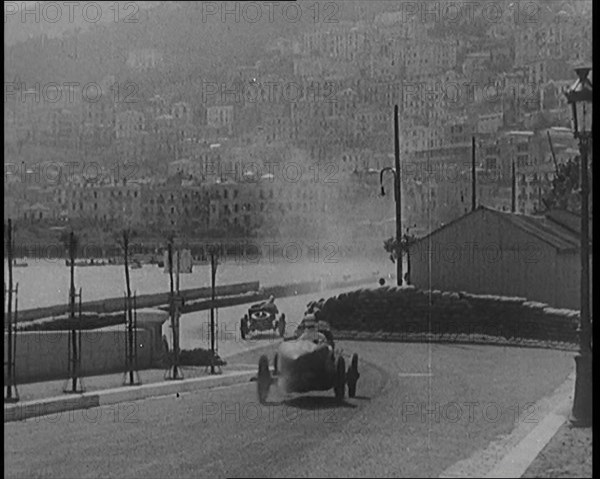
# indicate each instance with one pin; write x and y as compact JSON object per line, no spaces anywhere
{"x":494,"y":252}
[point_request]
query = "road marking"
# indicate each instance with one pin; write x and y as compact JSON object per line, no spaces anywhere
{"x":415,"y":375}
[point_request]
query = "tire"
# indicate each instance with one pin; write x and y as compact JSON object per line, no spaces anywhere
{"x":243,"y":329}
{"x":275,"y":364}
{"x":264,"y":379}
{"x":340,"y":379}
{"x":352,"y":376}
{"x":282,"y":328}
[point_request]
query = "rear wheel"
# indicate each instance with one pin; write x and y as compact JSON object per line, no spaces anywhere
{"x":275,"y":365}
{"x":282,"y":327}
{"x":340,"y":379}
{"x":264,"y":379}
{"x":243,"y":328}
{"x":352,"y":376}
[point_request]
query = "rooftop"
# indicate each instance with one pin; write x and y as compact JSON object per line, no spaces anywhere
{"x":560,"y":229}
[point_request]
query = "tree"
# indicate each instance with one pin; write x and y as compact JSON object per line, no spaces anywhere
{"x":394,"y":249}
{"x":566,"y":189}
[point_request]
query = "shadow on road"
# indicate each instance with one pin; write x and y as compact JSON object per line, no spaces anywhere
{"x":317,"y":402}
{"x":364,"y":398}
{"x":267,"y":335}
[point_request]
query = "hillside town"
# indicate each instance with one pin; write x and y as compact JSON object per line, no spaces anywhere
{"x":305,"y":238}
{"x":263,"y":149}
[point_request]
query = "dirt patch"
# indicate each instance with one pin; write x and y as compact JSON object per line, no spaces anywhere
{"x":568,"y":454}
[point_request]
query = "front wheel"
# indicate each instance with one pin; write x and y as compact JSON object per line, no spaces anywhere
{"x":243,"y":329}
{"x":340,"y":379}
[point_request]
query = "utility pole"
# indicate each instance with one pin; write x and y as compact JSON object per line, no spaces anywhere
{"x":473,"y":176}
{"x":397,"y":194}
{"x":174,"y":312}
{"x":513,"y":207}
{"x":11,"y":382}
{"x":213,"y":271}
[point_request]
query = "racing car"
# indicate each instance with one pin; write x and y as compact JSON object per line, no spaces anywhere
{"x":309,"y":362}
{"x":262,"y":317}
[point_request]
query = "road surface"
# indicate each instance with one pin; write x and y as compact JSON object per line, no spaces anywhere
{"x":419,"y":409}
{"x":195,"y":327}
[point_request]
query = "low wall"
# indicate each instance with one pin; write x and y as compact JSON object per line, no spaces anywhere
{"x":446,"y":315}
{"x":112,"y":305}
{"x":43,"y":355}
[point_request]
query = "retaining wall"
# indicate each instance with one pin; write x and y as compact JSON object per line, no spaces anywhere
{"x":43,"y":355}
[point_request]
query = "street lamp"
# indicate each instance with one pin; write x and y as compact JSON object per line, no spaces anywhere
{"x":579,"y":96}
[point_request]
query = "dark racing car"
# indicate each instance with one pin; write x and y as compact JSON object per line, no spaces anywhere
{"x":262,"y":317}
{"x":309,"y":363}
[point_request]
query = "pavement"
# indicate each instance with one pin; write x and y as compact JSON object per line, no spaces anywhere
{"x":422,"y":410}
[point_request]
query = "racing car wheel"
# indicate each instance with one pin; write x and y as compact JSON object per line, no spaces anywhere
{"x":352,"y":376}
{"x":340,"y":379}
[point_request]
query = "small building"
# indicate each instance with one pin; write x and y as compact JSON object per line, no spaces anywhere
{"x":494,"y":252}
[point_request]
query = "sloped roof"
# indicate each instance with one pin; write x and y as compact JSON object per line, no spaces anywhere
{"x":555,"y":233}
{"x":545,"y":230}
{"x":568,"y":220}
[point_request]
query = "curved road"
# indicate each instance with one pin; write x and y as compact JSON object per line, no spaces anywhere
{"x":420,"y":408}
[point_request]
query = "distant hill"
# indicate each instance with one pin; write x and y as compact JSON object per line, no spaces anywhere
{"x":191,"y":45}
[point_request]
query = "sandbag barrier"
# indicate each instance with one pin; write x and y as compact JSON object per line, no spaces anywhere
{"x":408,"y":314}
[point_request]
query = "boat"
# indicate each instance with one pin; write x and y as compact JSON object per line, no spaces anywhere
{"x":86,"y":263}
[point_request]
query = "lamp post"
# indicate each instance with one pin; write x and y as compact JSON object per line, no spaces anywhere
{"x":579,"y":96}
{"x":397,"y":194}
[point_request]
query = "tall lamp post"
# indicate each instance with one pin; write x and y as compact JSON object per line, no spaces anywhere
{"x":579,"y":96}
{"x":397,"y":194}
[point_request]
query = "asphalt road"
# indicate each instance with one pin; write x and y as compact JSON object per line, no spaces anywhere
{"x":411,"y":417}
{"x":195,"y":327}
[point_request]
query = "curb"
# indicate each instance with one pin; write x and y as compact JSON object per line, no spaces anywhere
{"x":511,"y":455}
{"x":43,"y":407}
{"x":424,"y":338}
